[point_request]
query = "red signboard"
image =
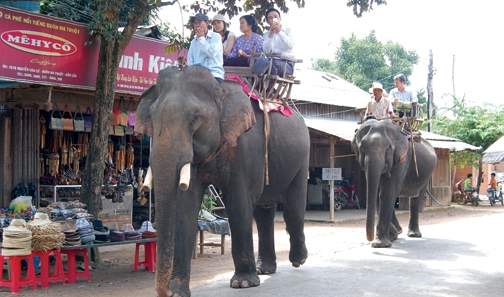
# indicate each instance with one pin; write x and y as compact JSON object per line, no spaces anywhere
{"x":39,"y":49}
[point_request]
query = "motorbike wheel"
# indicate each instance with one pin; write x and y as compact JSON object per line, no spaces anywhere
{"x":459,"y":198}
{"x":357,"y":205}
{"x":475,"y":201}
{"x":337,"y":204}
{"x":491,"y":200}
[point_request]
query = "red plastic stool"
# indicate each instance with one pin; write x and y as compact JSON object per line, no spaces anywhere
{"x":150,"y":256}
{"x":72,"y":274}
{"x":45,"y":276}
{"x":17,"y":280}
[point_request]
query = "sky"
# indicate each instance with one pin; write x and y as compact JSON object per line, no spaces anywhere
{"x":465,"y":29}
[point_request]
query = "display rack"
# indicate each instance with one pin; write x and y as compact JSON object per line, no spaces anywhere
{"x":55,"y":191}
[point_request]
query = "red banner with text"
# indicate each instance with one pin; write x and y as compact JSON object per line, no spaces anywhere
{"x":49,"y":51}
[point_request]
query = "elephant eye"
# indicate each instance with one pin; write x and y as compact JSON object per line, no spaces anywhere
{"x":196,"y":119}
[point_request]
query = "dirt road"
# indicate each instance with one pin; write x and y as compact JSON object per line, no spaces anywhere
{"x":332,"y":247}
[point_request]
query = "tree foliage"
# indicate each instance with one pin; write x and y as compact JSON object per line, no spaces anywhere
{"x":363,"y":61}
{"x":477,"y":125}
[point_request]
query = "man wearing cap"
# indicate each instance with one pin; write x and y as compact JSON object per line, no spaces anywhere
{"x":206,"y":48}
{"x":278,"y":39}
{"x":379,"y":106}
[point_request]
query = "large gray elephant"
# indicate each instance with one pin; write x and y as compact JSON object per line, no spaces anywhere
{"x":219,"y":132}
{"x":387,"y":157}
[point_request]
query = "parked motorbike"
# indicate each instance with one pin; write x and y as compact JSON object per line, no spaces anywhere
{"x":463,"y":197}
{"x":345,"y":194}
{"x":495,"y":195}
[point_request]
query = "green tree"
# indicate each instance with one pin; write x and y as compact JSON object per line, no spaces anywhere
{"x":363,"y":61}
{"x":477,"y":125}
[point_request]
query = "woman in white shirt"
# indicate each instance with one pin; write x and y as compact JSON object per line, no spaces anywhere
{"x":228,"y":37}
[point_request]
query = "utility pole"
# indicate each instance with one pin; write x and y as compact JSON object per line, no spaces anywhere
{"x":430,"y":94}
{"x":453,"y":75}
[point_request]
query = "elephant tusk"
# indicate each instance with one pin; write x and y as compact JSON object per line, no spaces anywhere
{"x":185,"y":176}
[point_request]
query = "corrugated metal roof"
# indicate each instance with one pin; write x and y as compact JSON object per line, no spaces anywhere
{"x":321,"y":87}
{"x":346,"y":130}
{"x":495,"y":153}
{"x":340,"y":128}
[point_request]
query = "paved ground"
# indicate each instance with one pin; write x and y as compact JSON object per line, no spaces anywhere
{"x":459,"y":255}
{"x":457,"y":258}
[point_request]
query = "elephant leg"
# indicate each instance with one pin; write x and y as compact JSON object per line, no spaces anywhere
{"x":186,"y":228}
{"x":294,"y":203}
{"x":413,"y":227}
{"x":265,"y":220}
{"x":385,"y":208}
{"x":240,"y":208}
{"x":395,"y":227}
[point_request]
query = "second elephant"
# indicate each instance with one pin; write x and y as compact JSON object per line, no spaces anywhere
{"x":388,"y":158}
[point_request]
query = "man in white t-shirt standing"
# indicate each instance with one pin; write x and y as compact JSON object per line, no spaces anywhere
{"x":379,"y":107}
{"x":278,"y":39}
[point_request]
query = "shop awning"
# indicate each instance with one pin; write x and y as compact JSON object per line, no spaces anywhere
{"x":495,"y":153}
{"x":346,"y":130}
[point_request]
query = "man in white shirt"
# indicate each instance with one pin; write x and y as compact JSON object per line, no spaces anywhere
{"x":278,"y":39}
{"x":379,"y":106}
{"x":401,"y":92}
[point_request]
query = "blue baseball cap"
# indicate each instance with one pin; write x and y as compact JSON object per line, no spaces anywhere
{"x":200,"y":17}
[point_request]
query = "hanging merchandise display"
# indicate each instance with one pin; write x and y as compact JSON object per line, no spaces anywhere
{"x":88,"y":120}
{"x":43,"y":131}
{"x":78,"y":120}
{"x":54,"y":160}
{"x":67,"y":122}
{"x":131,"y":112}
{"x":116,"y":115}
{"x":130,"y":156}
{"x":56,"y":122}
{"x":124,"y":112}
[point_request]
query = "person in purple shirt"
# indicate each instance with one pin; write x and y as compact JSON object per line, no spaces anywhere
{"x":242,"y":49}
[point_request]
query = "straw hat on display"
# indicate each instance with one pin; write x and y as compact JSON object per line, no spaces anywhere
{"x":46,"y":235}
{"x":16,"y":239}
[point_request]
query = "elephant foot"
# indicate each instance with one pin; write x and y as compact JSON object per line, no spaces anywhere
{"x":245,"y":281}
{"x":393,"y":233}
{"x":377,"y":243}
{"x":265,"y":268}
{"x":414,"y":233}
{"x":298,"y":257}
{"x":178,"y":290}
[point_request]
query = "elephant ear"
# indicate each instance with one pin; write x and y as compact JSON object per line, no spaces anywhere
{"x":143,"y":124}
{"x":237,"y":114}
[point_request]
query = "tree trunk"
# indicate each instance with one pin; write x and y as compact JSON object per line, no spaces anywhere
{"x":111,"y":49}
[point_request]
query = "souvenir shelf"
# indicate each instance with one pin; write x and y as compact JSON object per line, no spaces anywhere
{"x":55,"y":191}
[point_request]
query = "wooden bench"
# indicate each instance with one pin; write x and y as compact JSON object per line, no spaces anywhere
{"x":269,"y":86}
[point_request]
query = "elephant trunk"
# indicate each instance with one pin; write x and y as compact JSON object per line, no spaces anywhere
{"x":166,"y":172}
{"x":185,"y":177}
{"x":372,"y":180}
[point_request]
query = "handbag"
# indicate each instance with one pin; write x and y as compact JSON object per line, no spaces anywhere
{"x":56,"y":123}
{"x":88,"y":120}
{"x":129,"y":130}
{"x":116,"y":115}
{"x":78,"y":124}
{"x":261,"y":64}
{"x":67,"y":122}
{"x":118,"y":130}
{"x":131,"y":112}
{"x":123,"y":117}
